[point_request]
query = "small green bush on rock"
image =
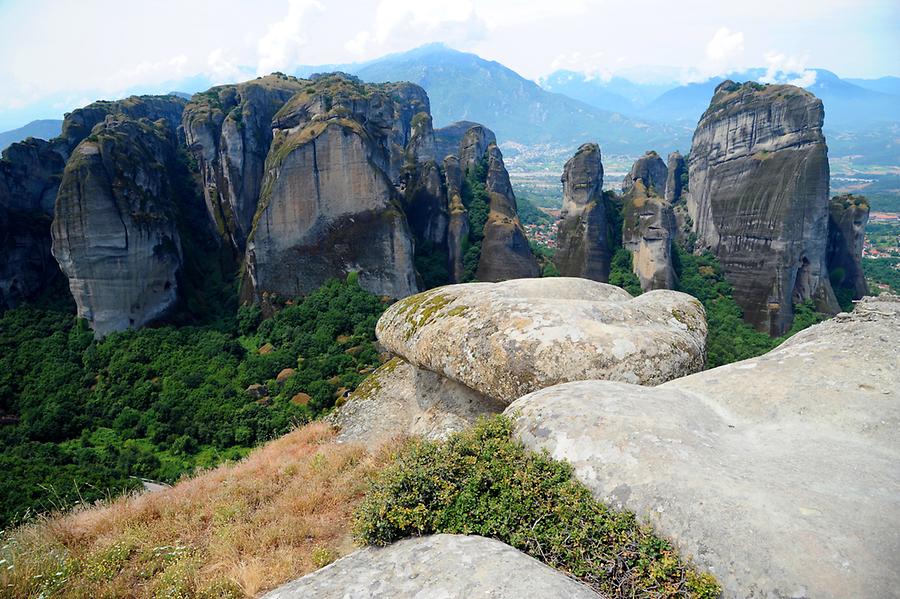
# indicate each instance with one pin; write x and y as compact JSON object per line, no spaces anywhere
{"x":483,"y":482}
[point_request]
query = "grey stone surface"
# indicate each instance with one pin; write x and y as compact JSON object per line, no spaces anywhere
{"x":507,"y":339}
{"x":401,"y":399}
{"x":582,"y":244}
{"x":648,"y":229}
{"x":780,"y":474}
{"x":115,"y":232}
{"x":652,"y":170}
{"x":759,"y":198}
{"x":436,"y":567}
{"x":505,"y":253}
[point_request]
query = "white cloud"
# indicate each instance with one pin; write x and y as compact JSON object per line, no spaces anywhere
{"x":781,"y":68}
{"x":279,"y":48}
{"x":223,"y":69}
{"x":146,"y":73}
{"x":725,"y":44}
{"x":359,"y":44}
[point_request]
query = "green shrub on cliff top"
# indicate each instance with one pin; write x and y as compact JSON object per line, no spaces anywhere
{"x":483,"y":482}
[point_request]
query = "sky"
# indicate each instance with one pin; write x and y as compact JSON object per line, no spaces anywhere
{"x":61,"y":54}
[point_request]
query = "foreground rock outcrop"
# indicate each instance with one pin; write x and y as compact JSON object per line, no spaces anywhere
{"x":583,"y":246}
{"x":759,"y":198}
{"x":115,"y":230}
{"x":847,"y":218}
{"x":778,"y":474}
{"x":507,"y":339}
{"x":446,"y":566}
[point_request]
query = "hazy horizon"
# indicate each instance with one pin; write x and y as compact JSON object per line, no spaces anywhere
{"x":64,"y":56}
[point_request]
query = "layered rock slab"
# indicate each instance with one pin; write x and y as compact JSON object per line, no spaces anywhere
{"x":446,"y":566}
{"x":504,"y":340}
{"x":778,"y":474}
{"x":759,"y":198}
{"x":401,"y":399}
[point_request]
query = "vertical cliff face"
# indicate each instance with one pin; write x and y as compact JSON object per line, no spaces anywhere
{"x":847,"y":218}
{"x":759,"y":198}
{"x":505,"y":253}
{"x":650,"y":169}
{"x":458,"y":219}
{"x":583,"y":244}
{"x":328,"y":205}
{"x":114,"y":231}
{"x":29,"y":178}
{"x":473,"y":146}
{"x":228,"y":130}
{"x":30,"y":174}
{"x":676,"y":177}
{"x":648,"y":230}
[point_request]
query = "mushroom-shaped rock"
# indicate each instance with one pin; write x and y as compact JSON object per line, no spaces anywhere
{"x":451,"y":566}
{"x":779,"y":474}
{"x":507,"y":339}
{"x":400,"y":398}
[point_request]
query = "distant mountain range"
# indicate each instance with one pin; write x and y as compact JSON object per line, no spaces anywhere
{"x":568,"y":108}
{"x":44,"y":129}
{"x":463,"y":86}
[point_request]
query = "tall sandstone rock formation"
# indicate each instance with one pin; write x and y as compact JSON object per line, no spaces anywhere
{"x":229,"y":130}
{"x":648,"y":231}
{"x":759,"y":198}
{"x":30,"y":174}
{"x":583,"y":244}
{"x":652,"y":170}
{"x":115,"y":230}
{"x":847,"y":218}
{"x":328,"y":203}
{"x":505,"y":253}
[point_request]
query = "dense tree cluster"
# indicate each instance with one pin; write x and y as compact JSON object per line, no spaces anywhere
{"x":81,"y":417}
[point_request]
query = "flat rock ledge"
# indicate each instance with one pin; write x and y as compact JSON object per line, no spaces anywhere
{"x":779,"y":474}
{"x":506,"y":339}
{"x":439,"y":566}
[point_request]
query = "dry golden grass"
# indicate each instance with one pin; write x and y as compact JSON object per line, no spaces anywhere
{"x":235,"y":531}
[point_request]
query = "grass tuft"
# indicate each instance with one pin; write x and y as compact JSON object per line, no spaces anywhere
{"x":483,"y":482}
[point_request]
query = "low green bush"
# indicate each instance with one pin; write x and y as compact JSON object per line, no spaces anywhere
{"x":482,"y":482}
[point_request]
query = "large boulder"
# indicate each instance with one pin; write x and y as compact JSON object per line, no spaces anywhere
{"x":847,"y":218}
{"x":115,"y":230}
{"x":228,"y":129}
{"x":507,"y":339}
{"x":779,"y":474}
{"x":445,"y":566}
{"x":400,"y":398}
{"x":759,"y":198}
{"x":583,"y":245}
